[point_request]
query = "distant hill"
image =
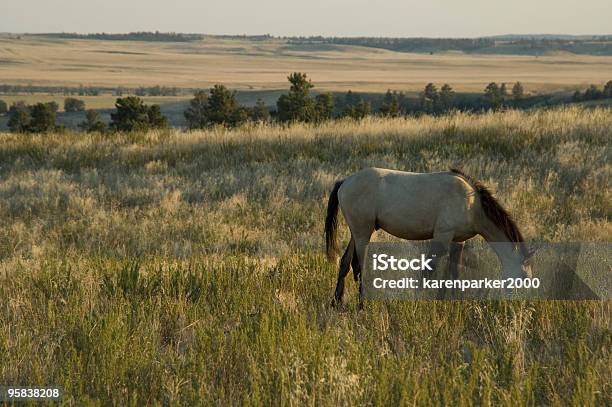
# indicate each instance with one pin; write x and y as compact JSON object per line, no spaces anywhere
{"x":147,"y":36}
{"x":514,"y":37}
{"x":509,"y":44}
{"x":505,"y":44}
{"x":133,"y":36}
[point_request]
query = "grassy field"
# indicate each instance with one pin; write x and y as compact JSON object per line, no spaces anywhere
{"x":187,"y":268}
{"x":264,"y":65}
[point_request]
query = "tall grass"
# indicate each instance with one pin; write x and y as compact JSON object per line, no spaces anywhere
{"x":187,"y":268}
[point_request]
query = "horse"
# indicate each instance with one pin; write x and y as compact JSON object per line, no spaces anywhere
{"x":447,"y":208}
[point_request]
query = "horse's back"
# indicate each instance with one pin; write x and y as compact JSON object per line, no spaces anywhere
{"x":425,"y":186}
{"x":407,"y":204}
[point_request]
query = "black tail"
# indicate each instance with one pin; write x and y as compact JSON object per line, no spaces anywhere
{"x":331,"y":223}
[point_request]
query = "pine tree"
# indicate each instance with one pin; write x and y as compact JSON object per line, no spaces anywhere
{"x":503,"y":93}
{"x":261,"y":113}
{"x":429,"y":98}
{"x":362,"y":110}
{"x":42,"y":118}
{"x":445,"y":98}
{"x":492,"y":95}
{"x":607,"y":91}
{"x":351,"y":99}
{"x":156,"y":119}
{"x":132,"y":114}
{"x":19,"y":117}
{"x":324,"y":106}
{"x":390,"y":106}
{"x":222,"y":104}
{"x":93,"y":122}
{"x":196,"y":114}
{"x":297,"y":105}
{"x":518,"y":92}
{"x":592,"y":93}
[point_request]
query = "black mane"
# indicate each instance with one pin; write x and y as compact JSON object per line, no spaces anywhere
{"x":495,"y":212}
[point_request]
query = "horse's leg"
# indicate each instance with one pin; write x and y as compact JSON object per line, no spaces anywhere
{"x":440,"y":246}
{"x":355,"y":266}
{"x":361,"y":219}
{"x":455,"y":259}
{"x":345,"y":264}
{"x":361,"y":245}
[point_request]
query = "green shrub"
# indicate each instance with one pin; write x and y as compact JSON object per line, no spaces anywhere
{"x":220,"y":106}
{"x":74,"y":105}
{"x":37,"y":118}
{"x":133,"y":115}
{"x":93,"y":122}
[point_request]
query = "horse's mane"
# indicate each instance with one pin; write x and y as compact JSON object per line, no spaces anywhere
{"x":495,"y":212}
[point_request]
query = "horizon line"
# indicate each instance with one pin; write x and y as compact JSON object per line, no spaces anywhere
{"x":303,"y":36}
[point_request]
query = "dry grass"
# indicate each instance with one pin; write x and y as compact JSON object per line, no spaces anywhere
{"x":243,"y":64}
{"x":187,"y":268}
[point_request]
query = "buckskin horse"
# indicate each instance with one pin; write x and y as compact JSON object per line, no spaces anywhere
{"x":446,"y":207}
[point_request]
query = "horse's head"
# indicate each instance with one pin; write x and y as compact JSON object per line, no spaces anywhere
{"x":516,"y":261}
{"x":526,"y":264}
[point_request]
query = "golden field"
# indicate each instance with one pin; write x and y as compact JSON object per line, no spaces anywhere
{"x":264,"y":65}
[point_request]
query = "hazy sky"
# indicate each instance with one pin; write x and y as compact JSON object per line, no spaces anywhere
{"x":435,"y":18}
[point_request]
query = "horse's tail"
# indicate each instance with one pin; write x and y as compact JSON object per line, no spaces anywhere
{"x":331,"y":223}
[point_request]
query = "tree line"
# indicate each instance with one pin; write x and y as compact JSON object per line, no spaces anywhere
{"x":594,"y":93}
{"x":95,"y":90}
{"x":404,"y":44}
{"x":132,"y":36}
{"x":150,"y":36}
{"x":220,"y":106}
{"x":528,"y":45}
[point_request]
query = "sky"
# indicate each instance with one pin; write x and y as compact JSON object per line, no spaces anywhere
{"x":397,"y":18}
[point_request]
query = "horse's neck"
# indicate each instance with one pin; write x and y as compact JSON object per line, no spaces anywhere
{"x":503,"y":247}
{"x":492,"y":233}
